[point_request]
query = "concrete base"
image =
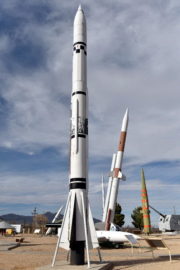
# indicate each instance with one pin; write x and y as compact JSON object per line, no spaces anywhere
{"x":66,"y":266}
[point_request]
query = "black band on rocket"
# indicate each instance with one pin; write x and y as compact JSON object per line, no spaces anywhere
{"x":79,"y":92}
{"x":79,"y":135}
{"x":78,"y":180}
{"x":79,"y":42}
{"x":77,"y":185}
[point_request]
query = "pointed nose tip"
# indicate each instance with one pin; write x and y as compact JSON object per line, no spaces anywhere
{"x":79,"y":26}
{"x":127,"y":111}
{"x":79,"y":17}
{"x":125,"y":120}
{"x":80,"y":8}
{"x":126,"y":115}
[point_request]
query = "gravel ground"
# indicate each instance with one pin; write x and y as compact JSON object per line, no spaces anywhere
{"x":37,"y":251}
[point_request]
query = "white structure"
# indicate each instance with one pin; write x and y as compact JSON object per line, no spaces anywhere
{"x":78,"y":231}
{"x":114,"y":236}
{"x":116,"y":175}
{"x":169,"y":223}
{"x":18,"y":227}
{"x":49,"y":230}
{"x":108,"y":193}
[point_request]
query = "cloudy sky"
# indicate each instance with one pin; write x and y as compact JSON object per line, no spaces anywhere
{"x":133,"y":61}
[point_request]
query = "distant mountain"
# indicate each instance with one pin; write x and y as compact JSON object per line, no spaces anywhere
{"x":24,"y":220}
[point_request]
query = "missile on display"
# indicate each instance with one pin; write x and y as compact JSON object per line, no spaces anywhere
{"x":49,"y":230}
{"x":115,"y":236}
{"x":117,"y":174}
{"x":108,"y":193}
{"x":145,"y":205}
{"x":78,"y":230}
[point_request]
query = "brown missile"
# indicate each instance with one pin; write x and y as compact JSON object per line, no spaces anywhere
{"x":145,"y":205}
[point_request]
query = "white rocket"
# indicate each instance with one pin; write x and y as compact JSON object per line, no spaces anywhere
{"x":108,"y":193}
{"x":49,"y":230}
{"x":78,"y":231}
{"x":115,"y":176}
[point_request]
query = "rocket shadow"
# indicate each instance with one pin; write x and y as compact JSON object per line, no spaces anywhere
{"x":132,"y":262}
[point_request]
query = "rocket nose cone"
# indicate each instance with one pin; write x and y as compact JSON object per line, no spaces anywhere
{"x":126,"y":115}
{"x":79,"y":8}
{"x":127,"y":112}
{"x":125,"y":121}
{"x":79,"y":17}
{"x":80,"y":26}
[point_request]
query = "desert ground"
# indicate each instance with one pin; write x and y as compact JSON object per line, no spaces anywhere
{"x":38,"y":251}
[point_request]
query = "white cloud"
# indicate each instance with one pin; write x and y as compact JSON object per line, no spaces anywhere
{"x":133,"y":61}
{"x":36,"y":188}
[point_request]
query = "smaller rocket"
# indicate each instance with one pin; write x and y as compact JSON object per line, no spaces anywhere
{"x":105,"y":209}
{"x":145,"y":205}
{"x":54,"y":219}
{"x":117,"y":174}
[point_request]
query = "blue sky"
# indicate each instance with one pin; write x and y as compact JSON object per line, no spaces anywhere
{"x":133,"y":61}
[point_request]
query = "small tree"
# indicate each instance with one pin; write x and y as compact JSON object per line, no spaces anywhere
{"x":137,"y":217}
{"x":118,"y":217}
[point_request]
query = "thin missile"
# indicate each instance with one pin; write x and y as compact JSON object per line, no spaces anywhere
{"x":54,"y":219}
{"x":109,"y":188}
{"x":78,"y":230}
{"x":145,"y":205}
{"x":117,"y":174}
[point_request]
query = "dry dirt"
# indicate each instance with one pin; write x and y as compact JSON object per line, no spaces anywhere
{"x":37,"y":251}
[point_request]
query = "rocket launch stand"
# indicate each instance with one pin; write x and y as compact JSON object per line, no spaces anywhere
{"x":86,"y":221}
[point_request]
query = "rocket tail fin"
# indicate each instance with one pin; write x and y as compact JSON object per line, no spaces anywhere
{"x":92,"y":236}
{"x":66,"y":228}
{"x":120,"y":175}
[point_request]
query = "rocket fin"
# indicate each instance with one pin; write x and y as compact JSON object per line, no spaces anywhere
{"x":121,"y":176}
{"x":92,"y":236}
{"x":66,"y":231}
{"x":66,"y":228}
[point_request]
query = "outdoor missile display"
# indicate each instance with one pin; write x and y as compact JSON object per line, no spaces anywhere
{"x":49,"y":230}
{"x":168,"y":223}
{"x":108,"y":193}
{"x":78,"y":231}
{"x":116,"y":175}
{"x":145,"y":205}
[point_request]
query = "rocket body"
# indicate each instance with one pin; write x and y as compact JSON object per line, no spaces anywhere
{"x":117,"y":174}
{"x":79,"y":134}
{"x":78,"y":231}
{"x":108,"y":193}
{"x":145,"y":205}
{"x":79,"y":121}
